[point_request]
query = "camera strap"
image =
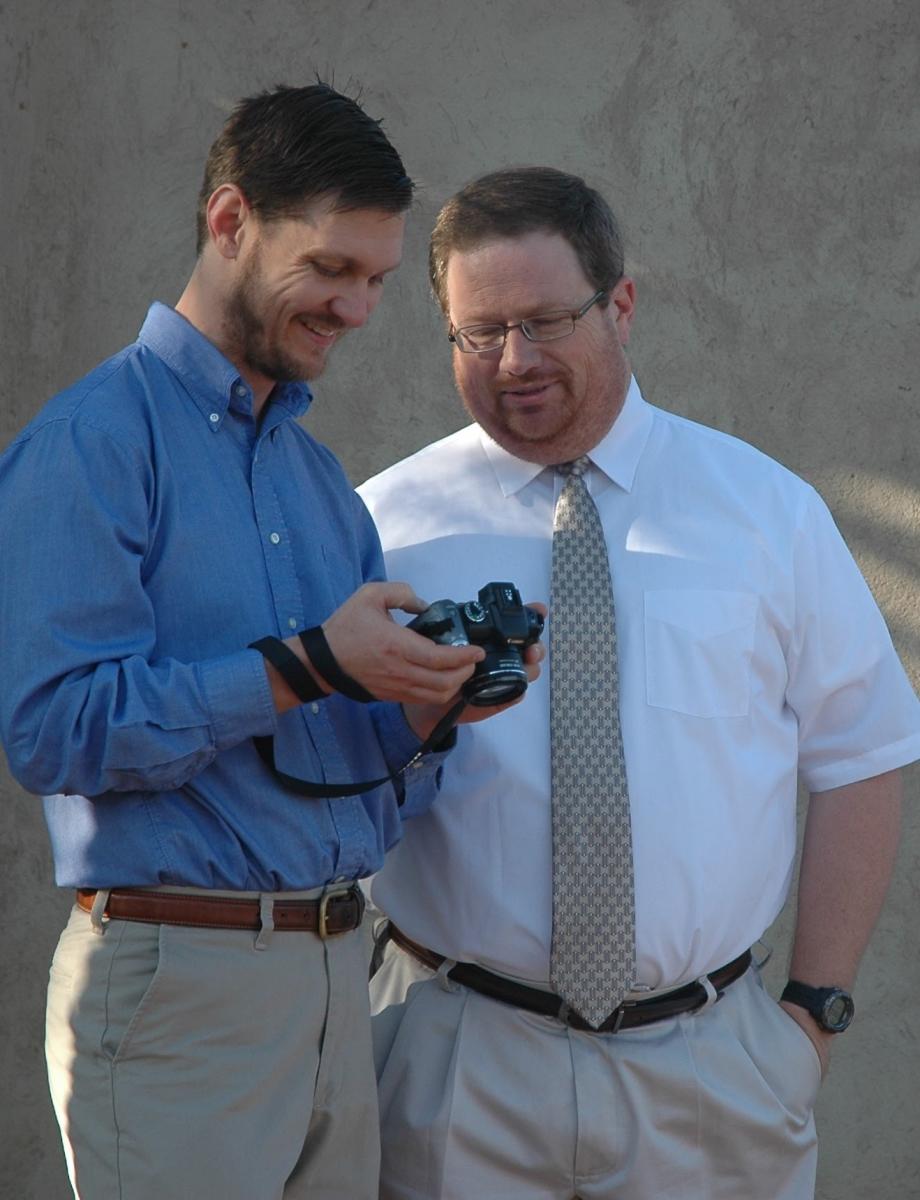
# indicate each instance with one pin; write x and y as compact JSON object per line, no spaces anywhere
{"x":306,"y":689}
{"x":440,"y":738}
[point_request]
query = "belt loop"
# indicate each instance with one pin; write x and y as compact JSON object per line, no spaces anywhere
{"x":711,"y":995}
{"x":442,"y":975}
{"x":767,"y":952}
{"x":97,"y":916}
{"x":266,"y":906}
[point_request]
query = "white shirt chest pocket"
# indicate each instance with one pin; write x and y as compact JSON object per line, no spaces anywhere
{"x":698,"y":649}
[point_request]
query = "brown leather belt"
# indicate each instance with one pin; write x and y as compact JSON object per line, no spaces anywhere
{"x":338,"y":910}
{"x":629,"y":1015}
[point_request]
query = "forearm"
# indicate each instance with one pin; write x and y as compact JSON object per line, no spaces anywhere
{"x":130,"y":725}
{"x":851,"y":837}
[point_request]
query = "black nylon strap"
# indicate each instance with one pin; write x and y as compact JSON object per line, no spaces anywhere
{"x":322,"y":658}
{"x":442,"y":737}
{"x":290,"y":668}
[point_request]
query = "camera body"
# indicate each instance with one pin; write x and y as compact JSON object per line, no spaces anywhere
{"x":498,"y":622}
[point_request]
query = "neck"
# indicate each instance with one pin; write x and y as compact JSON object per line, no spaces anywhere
{"x":202,"y":305}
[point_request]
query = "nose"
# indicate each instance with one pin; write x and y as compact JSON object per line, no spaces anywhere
{"x":519,"y":354}
{"x":354,"y":306}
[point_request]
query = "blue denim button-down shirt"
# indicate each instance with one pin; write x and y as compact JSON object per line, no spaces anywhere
{"x":149,"y":531}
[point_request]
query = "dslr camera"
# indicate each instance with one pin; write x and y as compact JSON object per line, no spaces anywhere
{"x":498,"y":622}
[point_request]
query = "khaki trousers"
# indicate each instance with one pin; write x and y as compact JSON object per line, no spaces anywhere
{"x":188,"y":1064}
{"x":482,"y":1100}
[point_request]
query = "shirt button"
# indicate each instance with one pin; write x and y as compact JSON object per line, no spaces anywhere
{"x":292,"y":622}
{"x":314,"y":708}
{"x":239,"y":389}
{"x":214,"y":418}
{"x":274,"y":538}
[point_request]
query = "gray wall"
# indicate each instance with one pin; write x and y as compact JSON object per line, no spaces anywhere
{"x":764,"y":162}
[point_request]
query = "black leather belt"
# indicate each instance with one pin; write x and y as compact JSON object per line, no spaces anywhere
{"x":629,"y":1015}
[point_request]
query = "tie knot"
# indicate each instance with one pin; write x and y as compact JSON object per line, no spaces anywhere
{"x":576,"y":467}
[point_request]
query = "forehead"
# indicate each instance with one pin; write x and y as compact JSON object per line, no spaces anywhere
{"x":514,"y":277}
{"x":364,"y":236}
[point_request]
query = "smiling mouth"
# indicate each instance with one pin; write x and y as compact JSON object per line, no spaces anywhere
{"x":321,"y":333}
{"x":527,"y":395}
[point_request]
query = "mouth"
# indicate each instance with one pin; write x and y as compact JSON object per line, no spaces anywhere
{"x":526,"y":395}
{"x":319,"y":332}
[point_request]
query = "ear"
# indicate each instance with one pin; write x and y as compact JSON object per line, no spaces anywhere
{"x":227,"y":214}
{"x":623,"y":307}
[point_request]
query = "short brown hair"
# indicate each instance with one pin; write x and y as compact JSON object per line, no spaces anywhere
{"x":519,"y":200}
{"x":288,"y":146}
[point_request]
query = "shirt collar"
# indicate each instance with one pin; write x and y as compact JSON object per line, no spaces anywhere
{"x":616,"y":455}
{"x":211,"y":380}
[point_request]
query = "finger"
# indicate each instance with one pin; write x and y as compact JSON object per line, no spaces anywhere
{"x":414,"y":606}
{"x":395,"y":594}
{"x":434,"y":687}
{"x":539,"y":607}
{"x":422,"y":651}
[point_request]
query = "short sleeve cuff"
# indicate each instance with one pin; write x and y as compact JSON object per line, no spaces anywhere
{"x":864,"y":766}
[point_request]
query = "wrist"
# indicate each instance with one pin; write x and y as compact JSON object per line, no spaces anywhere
{"x":819,"y":1038}
{"x":830,"y":1008}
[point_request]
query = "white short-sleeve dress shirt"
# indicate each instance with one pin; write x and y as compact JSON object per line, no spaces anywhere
{"x":751,"y":651}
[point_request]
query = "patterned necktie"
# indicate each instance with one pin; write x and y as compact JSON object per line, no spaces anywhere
{"x":593,"y":956}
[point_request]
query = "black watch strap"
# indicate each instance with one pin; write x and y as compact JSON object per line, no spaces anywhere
{"x":832,"y":1007}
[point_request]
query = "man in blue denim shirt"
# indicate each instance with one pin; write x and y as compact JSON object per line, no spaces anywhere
{"x":207,"y":1012}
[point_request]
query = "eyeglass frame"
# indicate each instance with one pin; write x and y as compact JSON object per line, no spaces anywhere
{"x":522,"y":325}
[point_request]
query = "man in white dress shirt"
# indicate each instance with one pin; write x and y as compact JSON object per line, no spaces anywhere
{"x":751,"y":654}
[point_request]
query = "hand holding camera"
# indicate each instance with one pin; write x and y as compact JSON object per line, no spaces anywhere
{"x":498,"y":622}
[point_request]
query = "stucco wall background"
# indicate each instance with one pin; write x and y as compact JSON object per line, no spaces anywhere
{"x":764,"y":162}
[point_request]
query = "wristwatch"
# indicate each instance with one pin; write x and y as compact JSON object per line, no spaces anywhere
{"x":831,"y":1007}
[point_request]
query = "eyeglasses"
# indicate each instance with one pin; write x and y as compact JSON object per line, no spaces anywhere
{"x":547,"y":327}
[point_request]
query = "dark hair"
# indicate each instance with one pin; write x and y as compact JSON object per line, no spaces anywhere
{"x":519,"y":200}
{"x":288,"y":146}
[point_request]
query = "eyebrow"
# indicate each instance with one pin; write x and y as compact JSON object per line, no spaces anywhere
{"x":343,"y":261}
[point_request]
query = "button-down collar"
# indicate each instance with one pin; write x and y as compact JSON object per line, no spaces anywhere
{"x":212,"y":381}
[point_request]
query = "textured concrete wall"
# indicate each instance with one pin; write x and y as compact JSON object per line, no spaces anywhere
{"x":764,"y":162}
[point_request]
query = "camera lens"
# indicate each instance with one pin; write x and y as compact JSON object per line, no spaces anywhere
{"x":498,"y":679}
{"x":494,"y":691}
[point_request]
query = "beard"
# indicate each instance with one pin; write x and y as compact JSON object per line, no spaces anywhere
{"x":251,"y":341}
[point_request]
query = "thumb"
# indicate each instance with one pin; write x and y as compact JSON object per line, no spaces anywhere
{"x":395,"y":594}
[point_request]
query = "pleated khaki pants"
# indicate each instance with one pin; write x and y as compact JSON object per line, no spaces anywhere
{"x":482,"y":1101}
{"x":187,"y":1064}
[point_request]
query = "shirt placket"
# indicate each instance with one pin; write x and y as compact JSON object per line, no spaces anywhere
{"x":268,"y":506}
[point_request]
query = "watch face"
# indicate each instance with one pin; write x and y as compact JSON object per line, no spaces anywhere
{"x":838,"y":1012}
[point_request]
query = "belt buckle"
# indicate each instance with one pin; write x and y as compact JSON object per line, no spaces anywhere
{"x":322,"y":923}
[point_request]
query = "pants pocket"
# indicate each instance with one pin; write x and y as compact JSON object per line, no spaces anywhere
{"x":135,"y":968}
